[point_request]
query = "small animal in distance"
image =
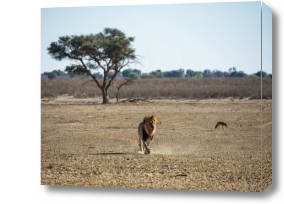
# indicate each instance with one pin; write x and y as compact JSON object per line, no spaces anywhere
{"x":221,"y":124}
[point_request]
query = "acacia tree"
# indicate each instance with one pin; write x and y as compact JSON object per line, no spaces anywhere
{"x":108,"y":51}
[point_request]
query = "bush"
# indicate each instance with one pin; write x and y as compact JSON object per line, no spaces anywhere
{"x":191,"y":88}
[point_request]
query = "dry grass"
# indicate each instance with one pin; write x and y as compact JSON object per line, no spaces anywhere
{"x":88,"y":144}
{"x":247,"y":87}
{"x":267,"y":144}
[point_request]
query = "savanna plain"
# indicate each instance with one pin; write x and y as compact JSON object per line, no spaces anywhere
{"x":85,"y":143}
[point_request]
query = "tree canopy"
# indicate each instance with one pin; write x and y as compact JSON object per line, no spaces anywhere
{"x":108,"y":51}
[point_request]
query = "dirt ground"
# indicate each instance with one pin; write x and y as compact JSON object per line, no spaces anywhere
{"x":84,"y":143}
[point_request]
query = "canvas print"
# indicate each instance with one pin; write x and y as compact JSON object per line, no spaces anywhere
{"x":175,"y":96}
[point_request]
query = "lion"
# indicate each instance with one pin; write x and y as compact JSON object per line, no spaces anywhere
{"x":146,"y":132}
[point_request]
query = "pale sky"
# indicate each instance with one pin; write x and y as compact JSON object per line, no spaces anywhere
{"x":189,"y":36}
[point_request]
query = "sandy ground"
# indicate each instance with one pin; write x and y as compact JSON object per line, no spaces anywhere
{"x":84,"y":143}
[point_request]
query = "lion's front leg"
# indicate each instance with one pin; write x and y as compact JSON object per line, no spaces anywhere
{"x":147,"y":150}
{"x":143,"y":148}
{"x":140,"y":139}
{"x":147,"y":147}
{"x":139,"y":146}
{"x":148,"y":143}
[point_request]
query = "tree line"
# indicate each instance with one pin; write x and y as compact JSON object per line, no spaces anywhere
{"x":179,"y":73}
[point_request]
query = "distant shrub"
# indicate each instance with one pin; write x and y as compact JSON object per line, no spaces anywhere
{"x":191,"y":88}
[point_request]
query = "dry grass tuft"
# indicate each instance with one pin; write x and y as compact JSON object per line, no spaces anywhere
{"x":247,"y":87}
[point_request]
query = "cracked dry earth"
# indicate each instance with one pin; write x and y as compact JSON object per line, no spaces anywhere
{"x":84,"y":143}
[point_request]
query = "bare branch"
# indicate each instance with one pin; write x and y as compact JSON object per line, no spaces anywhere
{"x":112,"y":78}
{"x":127,"y":81}
{"x":90,"y":74}
{"x":124,"y":83}
{"x":97,"y":61}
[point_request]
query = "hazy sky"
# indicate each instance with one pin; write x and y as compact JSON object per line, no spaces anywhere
{"x":188,"y":36}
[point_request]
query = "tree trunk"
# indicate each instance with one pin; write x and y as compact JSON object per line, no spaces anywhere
{"x":105,"y":96}
{"x":117,"y":94}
